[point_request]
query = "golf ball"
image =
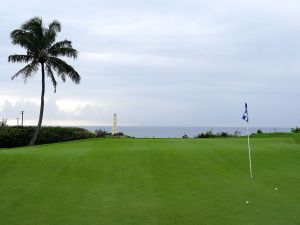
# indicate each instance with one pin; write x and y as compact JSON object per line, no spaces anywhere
{"x":276,"y":189}
{"x":247,"y":202}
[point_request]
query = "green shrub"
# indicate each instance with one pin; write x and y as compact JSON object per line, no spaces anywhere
{"x":102,"y":133}
{"x":259,"y":132}
{"x":207,"y":134}
{"x":185,"y":136}
{"x":211,"y":134}
{"x":119,"y":134}
{"x":17,"y":136}
{"x":295,"y":130}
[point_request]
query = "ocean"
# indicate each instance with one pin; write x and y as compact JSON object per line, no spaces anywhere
{"x":177,"y":132}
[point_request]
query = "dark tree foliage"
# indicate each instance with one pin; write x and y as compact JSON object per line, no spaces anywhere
{"x":20,"y":136}
{"x":3,"y":123}
{"x":119,"y":134}
{"x":295,"y":130}
{"x":259,"y":132}
{"x":211,"y":134}
{"x":102,"y":133}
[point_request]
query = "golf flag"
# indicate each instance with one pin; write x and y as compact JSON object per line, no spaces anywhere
{"x":246,"y":118}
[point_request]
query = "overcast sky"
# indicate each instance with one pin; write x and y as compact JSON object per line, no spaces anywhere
{"x":162,"y":62}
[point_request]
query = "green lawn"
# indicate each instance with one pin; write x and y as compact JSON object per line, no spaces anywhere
{"x":152,"y":182}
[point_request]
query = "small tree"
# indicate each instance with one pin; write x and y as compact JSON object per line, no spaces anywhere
{"x":43,"y":52}
{"x":3,"y":123}
{"x":185,"y":136}
{"x":237,"y":133}
{"x":259,"y":132}
{"x":102,"y":133}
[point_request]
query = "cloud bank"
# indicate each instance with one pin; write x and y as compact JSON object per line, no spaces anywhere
{"x":191,"y":63}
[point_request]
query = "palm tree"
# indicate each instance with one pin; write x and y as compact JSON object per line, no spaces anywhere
{"x":43,"y":52}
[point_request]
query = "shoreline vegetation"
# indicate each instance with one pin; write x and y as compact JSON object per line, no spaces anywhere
{"x":18,"y":136}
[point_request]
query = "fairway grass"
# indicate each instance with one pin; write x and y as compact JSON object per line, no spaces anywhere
{"x":152,"y":182}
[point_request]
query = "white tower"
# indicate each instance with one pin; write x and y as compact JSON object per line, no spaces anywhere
{"x":114,"y":128}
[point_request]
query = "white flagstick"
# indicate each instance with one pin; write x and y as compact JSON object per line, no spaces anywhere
{"x":250,"y":164}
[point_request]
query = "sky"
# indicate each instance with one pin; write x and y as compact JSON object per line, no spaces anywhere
{"x":162,"y":63}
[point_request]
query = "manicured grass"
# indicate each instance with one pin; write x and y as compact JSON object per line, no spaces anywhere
{"x":152,"y":182}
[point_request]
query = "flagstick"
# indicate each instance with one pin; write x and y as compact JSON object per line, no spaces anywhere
{"x":250,"y":164}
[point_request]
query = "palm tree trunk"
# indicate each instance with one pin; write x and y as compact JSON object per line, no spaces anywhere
{"x":33,"y":140}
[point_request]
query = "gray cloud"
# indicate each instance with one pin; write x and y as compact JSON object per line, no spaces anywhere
{"x":78,"y":115}
{"x":165,"y":62}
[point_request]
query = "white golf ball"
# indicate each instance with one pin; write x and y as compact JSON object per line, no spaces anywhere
{"x":247,"y":202}
{"x":276,"y":189}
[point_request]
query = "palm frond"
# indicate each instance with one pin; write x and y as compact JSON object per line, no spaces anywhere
{"x":23,"y":38}
{"x":19,"y":58}
{"x":65,"y":51}
{"x":51,"y":76}
{"x":35,"y":26}
{"x":51,"y":32}
{"x":55,"y":26}
{"x":49,"y":38}
{"x":35,"y":30}
{"x":27,"y":71}
{"x":63,"y":69}
{"x":63,"y":48}
{"x":61,"y":44}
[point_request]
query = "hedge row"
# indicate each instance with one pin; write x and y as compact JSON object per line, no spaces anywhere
{"x":17,"y":136}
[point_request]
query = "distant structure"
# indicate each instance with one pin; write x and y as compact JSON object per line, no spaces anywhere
{"x":22,"y":113}
{"x":114,"y":128}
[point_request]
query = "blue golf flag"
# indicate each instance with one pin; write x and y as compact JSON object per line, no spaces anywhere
{"x":245,"y":116}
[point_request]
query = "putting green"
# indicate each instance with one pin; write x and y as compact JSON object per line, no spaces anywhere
{"x":152,"y":182}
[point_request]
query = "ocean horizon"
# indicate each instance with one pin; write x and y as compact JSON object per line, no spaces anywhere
{"x":179,"y":131}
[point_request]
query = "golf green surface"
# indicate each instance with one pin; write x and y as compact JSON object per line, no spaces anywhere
{"x":152,"y":182}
